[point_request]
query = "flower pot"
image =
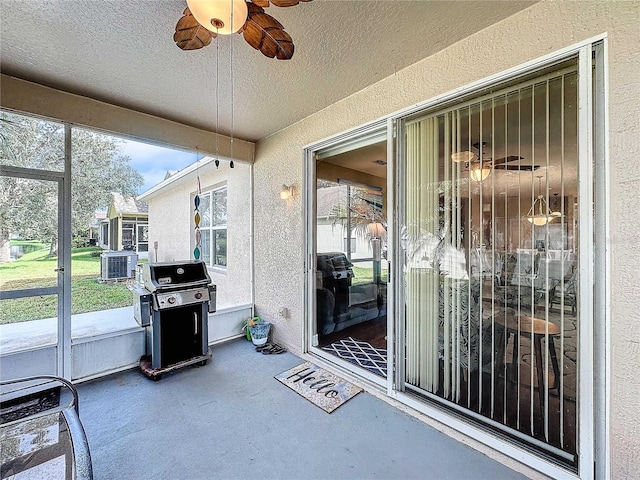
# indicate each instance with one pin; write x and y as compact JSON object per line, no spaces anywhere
{"x":260,"y":333}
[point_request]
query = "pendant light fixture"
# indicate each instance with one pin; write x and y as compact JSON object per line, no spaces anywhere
{"x":539,"y":213}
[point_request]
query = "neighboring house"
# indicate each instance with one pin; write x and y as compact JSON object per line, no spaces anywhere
{"x":334,"y":229}
{"x":128,"y":225}
{"x":99,"y":223}
{"x":225,"y":225}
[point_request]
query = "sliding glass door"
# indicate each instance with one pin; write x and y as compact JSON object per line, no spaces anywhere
{"x":490,"y":258}
{"x":493,"y":201}
{"x":350,"y":282}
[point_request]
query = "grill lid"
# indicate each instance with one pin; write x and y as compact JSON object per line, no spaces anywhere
{"x":174,"y":275}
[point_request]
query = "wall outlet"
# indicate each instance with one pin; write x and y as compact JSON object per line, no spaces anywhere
{"x":284,"y":312}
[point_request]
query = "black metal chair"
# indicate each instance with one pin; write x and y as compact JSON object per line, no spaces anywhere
{"x":566,"y":293}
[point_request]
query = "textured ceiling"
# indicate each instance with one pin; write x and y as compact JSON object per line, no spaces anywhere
{"x":122,"y":52}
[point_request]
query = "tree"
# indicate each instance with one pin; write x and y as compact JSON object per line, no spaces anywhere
{"x":28,"y":208}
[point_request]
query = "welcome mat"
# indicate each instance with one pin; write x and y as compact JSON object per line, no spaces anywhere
{"x":360,"y":353}
{"x":320,"y":387}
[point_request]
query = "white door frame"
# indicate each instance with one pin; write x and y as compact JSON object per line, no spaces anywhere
{"x":341,"y":143}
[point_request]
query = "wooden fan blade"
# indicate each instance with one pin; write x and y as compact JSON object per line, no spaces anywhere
{"x":190,"y":35}
{"x":526,"y":168}
{"x":278,"y":3}
{"x":510,"y":158}
{"x":265,"y":33}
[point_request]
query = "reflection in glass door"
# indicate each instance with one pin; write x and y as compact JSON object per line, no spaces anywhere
{"x":351,"y":255}
{"x":489,"y":231}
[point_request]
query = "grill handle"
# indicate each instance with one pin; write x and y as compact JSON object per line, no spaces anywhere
{"x":195,"y":323}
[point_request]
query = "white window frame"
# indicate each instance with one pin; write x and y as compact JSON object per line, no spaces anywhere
{"x":213,"y":228}
{"x":138,"y":236}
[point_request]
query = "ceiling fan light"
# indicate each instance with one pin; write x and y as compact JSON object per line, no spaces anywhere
{"x":479,"y":174}
{"x":219,"y":16}
{"x":462,"y":157}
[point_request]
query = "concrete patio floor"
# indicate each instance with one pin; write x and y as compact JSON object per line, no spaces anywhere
{"x":232,"y":420}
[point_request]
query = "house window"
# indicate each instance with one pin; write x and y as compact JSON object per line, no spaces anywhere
{"x":143,"y":237}
{"x":104,"y":238}
{"x":128,"y":236}
{"x":213,"y":227}
{"x":349,"y":246}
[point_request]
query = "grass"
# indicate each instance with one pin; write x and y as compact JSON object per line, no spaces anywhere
{"x":37,"y":269}
{"x":365,"y":275}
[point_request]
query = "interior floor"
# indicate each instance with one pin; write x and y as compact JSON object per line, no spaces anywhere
{"x":502,"y":401}
{"x":373,"y":332}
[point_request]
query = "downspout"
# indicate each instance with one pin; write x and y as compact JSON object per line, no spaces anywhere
{"x":252,"y":268}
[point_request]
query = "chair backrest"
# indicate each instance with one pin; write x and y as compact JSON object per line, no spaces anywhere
{"x":571,"y":287}
{"x":485,"y":263}
{"x":560,"y":255}
{"x":554,"y":269}
{"x":526,"y":269}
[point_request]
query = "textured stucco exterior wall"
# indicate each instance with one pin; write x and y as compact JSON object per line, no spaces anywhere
{"x":171,"y":225}
{"x":542,"y":29}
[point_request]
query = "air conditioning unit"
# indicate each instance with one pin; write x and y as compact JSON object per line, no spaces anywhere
{"x":118,"y":265}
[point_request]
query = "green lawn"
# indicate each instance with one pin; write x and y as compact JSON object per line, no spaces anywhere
{"x":36,"y":269}
{"x":365,"y":275}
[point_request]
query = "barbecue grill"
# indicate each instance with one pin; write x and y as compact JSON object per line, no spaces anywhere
{"x":172,"y":302}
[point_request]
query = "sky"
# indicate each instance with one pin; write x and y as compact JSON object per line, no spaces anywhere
{"x":153,"y":162}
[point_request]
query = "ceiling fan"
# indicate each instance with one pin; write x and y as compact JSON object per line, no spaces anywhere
{"x":479,"y":164}
{"x":203,"y":20}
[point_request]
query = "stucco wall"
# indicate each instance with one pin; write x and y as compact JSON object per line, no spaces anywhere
{"x":171,"y":225}
{"x":537,"y":31}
